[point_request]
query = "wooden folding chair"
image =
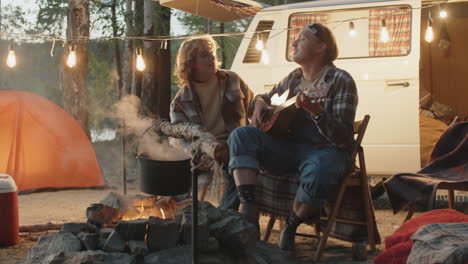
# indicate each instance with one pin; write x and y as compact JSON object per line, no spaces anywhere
{"x":357,"y":177}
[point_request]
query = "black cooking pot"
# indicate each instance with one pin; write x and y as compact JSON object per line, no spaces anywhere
{"x":164,"y":178}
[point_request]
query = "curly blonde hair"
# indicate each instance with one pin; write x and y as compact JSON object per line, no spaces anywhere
{"x":186,"y":57}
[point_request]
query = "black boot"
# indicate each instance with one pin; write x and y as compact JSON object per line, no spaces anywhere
{"x":288,"y":234}
{"x":248,"y":208}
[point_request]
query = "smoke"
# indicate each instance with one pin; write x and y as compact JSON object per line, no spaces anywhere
{"x":148,"y":142}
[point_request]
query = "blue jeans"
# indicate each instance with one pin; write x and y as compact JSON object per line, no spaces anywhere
{"x":318,"y":168}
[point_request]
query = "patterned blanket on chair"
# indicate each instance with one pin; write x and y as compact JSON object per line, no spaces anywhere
{"x":275,"y":196}
{"x":448,"y":165}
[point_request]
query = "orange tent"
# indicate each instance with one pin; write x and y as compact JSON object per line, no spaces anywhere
{"x":42,"y":146}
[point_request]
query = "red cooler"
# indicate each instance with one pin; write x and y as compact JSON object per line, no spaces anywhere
{"x":9,"y":229}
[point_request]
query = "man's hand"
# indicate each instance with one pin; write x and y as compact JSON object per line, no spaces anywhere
{"x":256,"y":119}
{"x":302,"y":101}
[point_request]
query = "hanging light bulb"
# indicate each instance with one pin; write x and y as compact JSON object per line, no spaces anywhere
{"x":71,"y":60}
{"x":384,"y":37}
{"x":429,"y":37}
{"x":140,"y":63}
{"x":265,"y":57}
{"x":11,"y":59}
{"x":259,"y":45}
{"x":443,"y":13}
{"x":352,"y":30}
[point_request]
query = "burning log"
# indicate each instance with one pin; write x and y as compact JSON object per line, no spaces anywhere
{"x":196,"y":134}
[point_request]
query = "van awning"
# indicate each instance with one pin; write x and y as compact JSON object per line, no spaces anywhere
{"x":219,"y":10}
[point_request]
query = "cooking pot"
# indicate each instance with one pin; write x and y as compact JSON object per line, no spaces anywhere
{"x":164,"y":178}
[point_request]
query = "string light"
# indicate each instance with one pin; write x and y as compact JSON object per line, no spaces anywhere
{"x":429,"y":37}
{"x":443,"y":13}
{"x":71,"y":60}
{"x":259,"y":45}
{"x":384,"y":37}
{"x":265,"y":57}
{"x":352,"y":30}
{"x":11,"y":58}
{"x":140,"y":62}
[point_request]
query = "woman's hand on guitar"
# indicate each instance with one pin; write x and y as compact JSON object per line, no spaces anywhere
{"x":256,"y":119}
{"x":309,"y":104}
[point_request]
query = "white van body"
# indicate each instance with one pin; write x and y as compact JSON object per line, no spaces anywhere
{"x":388,"y":87}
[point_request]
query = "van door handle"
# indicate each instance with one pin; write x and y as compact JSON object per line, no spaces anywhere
{"x":404,"y":84}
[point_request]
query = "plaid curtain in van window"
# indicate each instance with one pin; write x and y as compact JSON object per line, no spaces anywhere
{"x":297,"y":22}
{"x":398,"y":23}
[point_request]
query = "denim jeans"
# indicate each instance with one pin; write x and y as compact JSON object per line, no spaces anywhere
{"x":230,"y":200}
{"x":318,"y":168}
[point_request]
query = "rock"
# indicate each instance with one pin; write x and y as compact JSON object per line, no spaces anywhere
{"x":177,"y":255}
{"x":212,"y":245}
{"x":64,"y":242}
{"x":162,"y":233}
{"x":40,"y":251}
{"x":138,"y":247}
{"x":104,"y":233}
{"x":52,"y":244}
{"x":90,"y":241}
{"x":234,"y":232}
{"x":76,"y":228}
{"x":90,"y":256}
{"x":132,"y":230}
{"x":114,"y":243}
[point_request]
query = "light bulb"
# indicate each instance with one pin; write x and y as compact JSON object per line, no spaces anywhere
{"x":384,"y":37}
{"x":11,"y":59}
{"x":429,"y":34}
{"x":352,"y":30}
{"x":429,"y":31}
{"x":140,"y":62}
{"x":265,"y":57}
{"x":443,"y":14}
{"x":71,"y":60}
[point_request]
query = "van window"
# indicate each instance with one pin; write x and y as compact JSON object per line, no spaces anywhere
{"x":367,"y":23}
{"x":253,"y":55}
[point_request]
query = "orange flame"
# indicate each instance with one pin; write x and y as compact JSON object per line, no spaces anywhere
{"x":162,"y":212}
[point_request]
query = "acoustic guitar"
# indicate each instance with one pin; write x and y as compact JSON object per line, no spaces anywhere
{"x":277,"y":119}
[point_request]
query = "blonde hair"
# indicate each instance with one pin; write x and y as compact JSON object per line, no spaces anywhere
{"x":186,"y":57}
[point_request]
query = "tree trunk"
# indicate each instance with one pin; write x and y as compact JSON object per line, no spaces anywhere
{"x":129,"y":50}
{"x":222,"y":46}
{"x":118,"y":60}
{"x":156,"y":87}
{"x":73,"y":81}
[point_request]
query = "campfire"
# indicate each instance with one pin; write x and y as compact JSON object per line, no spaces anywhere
{"x":151,"y":229}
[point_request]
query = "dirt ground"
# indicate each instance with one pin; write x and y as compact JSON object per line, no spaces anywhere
{"x":70,"y":206}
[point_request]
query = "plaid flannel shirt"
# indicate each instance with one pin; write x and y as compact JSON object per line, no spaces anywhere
{"x":185,"y":106}
{"x":336,"y":120}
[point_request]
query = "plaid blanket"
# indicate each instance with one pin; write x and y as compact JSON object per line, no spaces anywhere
{"x":440,"y":243}
{"x":275,"y":196}
{"x":448,"y":165}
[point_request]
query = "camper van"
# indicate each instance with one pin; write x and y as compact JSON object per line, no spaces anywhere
{"x":392,"y":69}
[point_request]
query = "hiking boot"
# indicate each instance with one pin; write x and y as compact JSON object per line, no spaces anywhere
{"x":287,"y":236}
